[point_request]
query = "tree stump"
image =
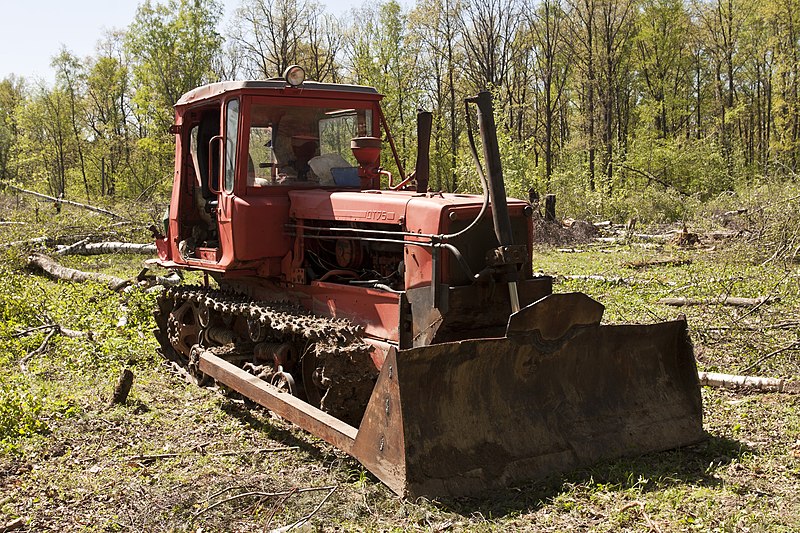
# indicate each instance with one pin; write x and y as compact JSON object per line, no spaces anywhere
{"x":550,"y":207}
{"x":123,"y":387}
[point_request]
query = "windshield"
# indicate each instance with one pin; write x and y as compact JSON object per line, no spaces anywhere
{"x":304,"y":145}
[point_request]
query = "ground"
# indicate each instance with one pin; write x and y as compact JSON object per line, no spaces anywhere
{"x":177,"y":457}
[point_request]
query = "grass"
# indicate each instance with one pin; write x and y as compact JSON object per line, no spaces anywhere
{"x":168,"y":459}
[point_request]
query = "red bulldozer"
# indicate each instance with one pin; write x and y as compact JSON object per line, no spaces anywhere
{"x":402,"y":325}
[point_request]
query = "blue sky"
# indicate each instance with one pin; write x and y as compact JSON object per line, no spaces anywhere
{"x":31,"y":34}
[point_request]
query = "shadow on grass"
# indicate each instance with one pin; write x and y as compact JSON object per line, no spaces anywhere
{"x":245,"y":413}
{"x":692,"y":465}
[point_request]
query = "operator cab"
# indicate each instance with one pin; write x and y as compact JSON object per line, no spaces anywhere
{"x":242,"y":146}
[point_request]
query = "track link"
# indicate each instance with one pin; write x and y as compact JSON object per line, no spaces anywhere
{"x":342,"y":368}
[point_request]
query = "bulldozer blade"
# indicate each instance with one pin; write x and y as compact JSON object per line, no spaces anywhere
{"x":462,"y":418}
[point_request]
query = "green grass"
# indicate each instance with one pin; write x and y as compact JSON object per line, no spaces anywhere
{"x":69,"y":461}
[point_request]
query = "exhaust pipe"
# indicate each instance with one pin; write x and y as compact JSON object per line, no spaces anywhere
{"x":423,"y":168}
{"x":497,"y":188}
{"x":494,"y":170}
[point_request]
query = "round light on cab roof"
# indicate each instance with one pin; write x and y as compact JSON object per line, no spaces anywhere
{"x":294,"y":75}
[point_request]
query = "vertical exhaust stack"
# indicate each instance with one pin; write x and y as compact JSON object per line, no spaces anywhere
{"x":506,"y":256}
{"x":491,"y":154}
{"x":423,"y":168}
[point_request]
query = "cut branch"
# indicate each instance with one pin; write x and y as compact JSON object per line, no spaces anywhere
{"x":615,"y":280}
{"x":71,"y":333}
{"x":68,"y":202}
{"x":99,"y":248}
{"x":36,"y":240}
{"x":155,"y":457}
{"x":658,"y":262}
{"x":307,"y":517}
{"x":66,"y":250}
{"x":731,"y":381}
{"x":787,"y":324}
{"x":652,"y":177}
{"x":263,"y":494}
{"x":791,"y":346}
{"x":57,"y":271}
{"x":42,"y":347}
{"x":725,"y":300}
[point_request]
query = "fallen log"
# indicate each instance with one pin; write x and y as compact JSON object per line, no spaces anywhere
{"x":56,"y":271}
{"x":68,"y":202}
{"x":732,"y":381}
{"x":100,"y":248}
{"x":37,"y":240}
{"x":657,"y":262}
{"x":725,"y":300}
{"x":614,"y":280}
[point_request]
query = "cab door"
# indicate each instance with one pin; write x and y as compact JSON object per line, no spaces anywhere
{"x":230,"y":149}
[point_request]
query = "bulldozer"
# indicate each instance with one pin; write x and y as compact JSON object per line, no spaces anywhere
{"x":402,"y":325}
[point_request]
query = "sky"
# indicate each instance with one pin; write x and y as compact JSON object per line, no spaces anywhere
{"x":31,"y":34}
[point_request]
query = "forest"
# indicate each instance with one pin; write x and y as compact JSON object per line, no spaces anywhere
{"x":597,"y":100}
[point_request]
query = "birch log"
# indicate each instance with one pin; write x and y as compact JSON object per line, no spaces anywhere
{"x":57,"y":271}
{"x":99,"y":248}
{"x":731,"y":381}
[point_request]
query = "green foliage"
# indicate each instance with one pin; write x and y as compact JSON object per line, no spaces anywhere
{"x":602,"y":102}
{"x":173,"y":46}
{"x":20,"y":412}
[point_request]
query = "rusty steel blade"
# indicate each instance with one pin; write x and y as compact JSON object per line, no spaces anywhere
{"x":465,"y":417}
{"x":462,"y":418}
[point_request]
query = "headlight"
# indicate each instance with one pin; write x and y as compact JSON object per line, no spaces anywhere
{"x":294,"y":75}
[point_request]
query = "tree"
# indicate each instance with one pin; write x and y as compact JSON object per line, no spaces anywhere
{"x":12,"y":94}
{"x":173,"y":47}
{"x":379,"y":53}
{"x":70,"y":79}
{"x":435,"y":24}
{"x":723,"y":24}
{"x":583,"y":39}
{"x":46,"y":143}
{"x":489,"y":28}
{"x":663,"y":63}
{"x":616,"y":24}
{"x":108,"y":112}
{"x":274,"y":34}
{"x":552,"y":58}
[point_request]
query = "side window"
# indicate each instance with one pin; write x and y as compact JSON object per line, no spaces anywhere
{"x":231,"y":142}
{"x":261,"y":159}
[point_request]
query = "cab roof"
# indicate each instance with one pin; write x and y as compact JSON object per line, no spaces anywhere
{"x":213,"y":90}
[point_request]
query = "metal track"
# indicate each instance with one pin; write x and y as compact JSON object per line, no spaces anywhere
{"x":343,"y":364}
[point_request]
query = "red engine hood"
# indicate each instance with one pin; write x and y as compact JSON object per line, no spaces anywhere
{"x":418,"y":212}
